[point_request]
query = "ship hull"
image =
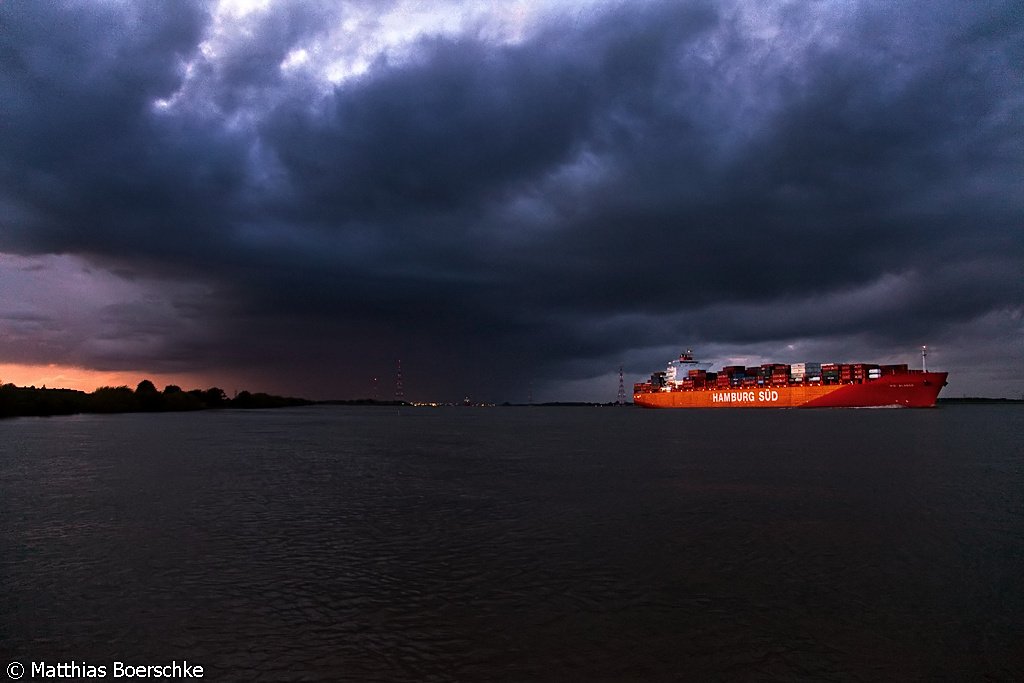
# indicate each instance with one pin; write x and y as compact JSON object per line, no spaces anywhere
{"x":909,"y":390}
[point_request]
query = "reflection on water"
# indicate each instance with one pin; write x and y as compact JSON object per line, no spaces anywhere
{"x":518,"y":543}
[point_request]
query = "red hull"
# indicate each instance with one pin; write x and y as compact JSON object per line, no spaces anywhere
{"x":909,"y":390}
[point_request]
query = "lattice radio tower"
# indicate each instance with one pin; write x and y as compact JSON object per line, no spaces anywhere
{"x":622,"y":389}
{"x":399,"y":392}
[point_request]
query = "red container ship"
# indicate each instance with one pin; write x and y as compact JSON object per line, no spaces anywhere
{"x":686,"y":383}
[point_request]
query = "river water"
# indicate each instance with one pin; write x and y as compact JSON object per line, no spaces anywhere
{"x":372,"y":544}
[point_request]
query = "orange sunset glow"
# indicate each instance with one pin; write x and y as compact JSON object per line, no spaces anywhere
{"x":83,"y":379}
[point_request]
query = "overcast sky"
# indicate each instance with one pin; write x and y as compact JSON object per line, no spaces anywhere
{"x":290,"y":196}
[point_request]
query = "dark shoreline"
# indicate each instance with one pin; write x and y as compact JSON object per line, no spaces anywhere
{"x":42,"y":402}
{"x":979,"y":400}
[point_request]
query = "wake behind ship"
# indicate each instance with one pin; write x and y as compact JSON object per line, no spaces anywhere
{"x":686,"y":383}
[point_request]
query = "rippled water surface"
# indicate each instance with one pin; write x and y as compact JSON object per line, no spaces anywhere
{"x":359,"y":544}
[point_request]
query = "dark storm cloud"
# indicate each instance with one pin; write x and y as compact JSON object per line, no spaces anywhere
{"x":87,"y":167}
{"x":612,"y":186}
{"x":465,"y":122}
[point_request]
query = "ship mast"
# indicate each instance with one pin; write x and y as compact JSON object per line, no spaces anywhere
{"x":924,"y":359}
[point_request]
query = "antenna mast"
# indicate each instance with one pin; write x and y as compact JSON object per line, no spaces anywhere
{"x":399,"y":393}
{"x":622,"y":389}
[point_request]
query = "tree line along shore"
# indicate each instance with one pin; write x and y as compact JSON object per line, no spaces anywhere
{"x":18,"y":401}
